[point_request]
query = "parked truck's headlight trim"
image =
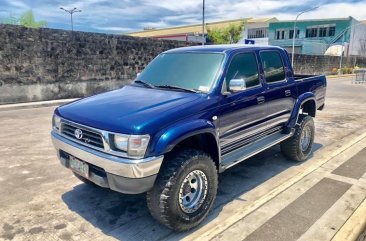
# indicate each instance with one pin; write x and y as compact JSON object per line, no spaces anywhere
{"x":134,"y":145}
{"x":56,"y":123}
{"x":121,"y":142}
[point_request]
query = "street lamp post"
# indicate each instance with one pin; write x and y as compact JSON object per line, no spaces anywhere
{"x":203,"y":22}
{"x":294,"y":33}
{"x":71,"y":12}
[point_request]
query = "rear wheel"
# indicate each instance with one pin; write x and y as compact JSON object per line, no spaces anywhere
{"x":299,"y":146}
{"x":185,"y":190}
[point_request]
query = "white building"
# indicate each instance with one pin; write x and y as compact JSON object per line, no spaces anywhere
{"x":256,"y":31}
{"x":357,"y":45}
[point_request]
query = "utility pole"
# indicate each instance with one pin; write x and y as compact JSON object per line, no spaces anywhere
{"x":203,"y":22}
{"x":71,"y":12}
{"x":294,"y":33}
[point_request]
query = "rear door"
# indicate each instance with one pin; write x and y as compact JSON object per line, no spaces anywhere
{"x":281,"y":89}
{"x":243,"y":113}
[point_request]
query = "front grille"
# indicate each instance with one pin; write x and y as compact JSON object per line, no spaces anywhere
{"x":88,"y":137}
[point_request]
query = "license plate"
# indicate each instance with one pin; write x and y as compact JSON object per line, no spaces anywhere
{"x":79,"y":166}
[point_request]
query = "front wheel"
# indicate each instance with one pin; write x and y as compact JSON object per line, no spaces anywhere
{"x":299,"y":146}
{"x":185,"y":190}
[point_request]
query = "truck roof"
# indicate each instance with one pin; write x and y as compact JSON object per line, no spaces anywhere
{"x":220,"y":48}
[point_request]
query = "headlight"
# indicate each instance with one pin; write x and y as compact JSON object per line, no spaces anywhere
{"x":56,"y":123}
{"x":121,"y":142}
{"x":134,"y":145}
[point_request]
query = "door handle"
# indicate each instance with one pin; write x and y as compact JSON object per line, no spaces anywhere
{"x":287,"y":92}
{"x":261,"y":99}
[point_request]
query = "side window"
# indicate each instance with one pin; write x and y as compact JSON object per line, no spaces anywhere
{"x":243,"y":66}
{"x":273,"y":66}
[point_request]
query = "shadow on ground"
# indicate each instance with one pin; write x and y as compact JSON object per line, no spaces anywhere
{"x":126,"y":217}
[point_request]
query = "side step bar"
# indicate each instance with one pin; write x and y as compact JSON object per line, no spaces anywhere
{"x":241,"y":154}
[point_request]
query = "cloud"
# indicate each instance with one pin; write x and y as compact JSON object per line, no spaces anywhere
{"x":133,"y":15}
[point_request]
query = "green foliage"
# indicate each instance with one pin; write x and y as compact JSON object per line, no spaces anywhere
{"x":227,"y":35}
{"x":347,"y":70}
{"x":26,"y":20}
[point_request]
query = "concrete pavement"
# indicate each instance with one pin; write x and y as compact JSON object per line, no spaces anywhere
{"x":264,"y":198}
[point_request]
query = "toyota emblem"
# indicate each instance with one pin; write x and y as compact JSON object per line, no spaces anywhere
{"x":78,"y":134}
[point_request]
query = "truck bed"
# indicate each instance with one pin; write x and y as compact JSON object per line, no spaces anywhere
{"x":314,"y":83}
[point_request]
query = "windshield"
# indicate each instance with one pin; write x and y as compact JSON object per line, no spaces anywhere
{"x":193,"y":71}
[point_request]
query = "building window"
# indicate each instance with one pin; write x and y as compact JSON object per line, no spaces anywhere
{"x":311,"y":32}
{"x":280,"y":34}
{"x":322,"y":32}
{"x":331,"y":31}
{"x":258,"y":33}
{"x":314,"y":32}
{"x":291,"y":35}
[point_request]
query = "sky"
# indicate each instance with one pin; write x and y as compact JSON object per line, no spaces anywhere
{"x":123,"y":16}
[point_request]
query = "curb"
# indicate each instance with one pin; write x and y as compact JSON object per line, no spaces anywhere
{"x":37,"y":104}
{"x":340,"y":76}
{"x":355,"y":225}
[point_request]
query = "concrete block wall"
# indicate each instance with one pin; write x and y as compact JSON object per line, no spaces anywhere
{"x":319,"y":64}
{"x":44,"y":64}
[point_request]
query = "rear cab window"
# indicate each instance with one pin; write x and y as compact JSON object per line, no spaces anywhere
{"x":273,"y":68}
{"x":244,"y":66}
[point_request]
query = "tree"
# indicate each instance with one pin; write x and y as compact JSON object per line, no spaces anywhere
{"x":27,"y":20}
{"x":227,"y":35}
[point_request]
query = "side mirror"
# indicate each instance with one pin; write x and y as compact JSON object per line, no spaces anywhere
{"x":236,"y":85}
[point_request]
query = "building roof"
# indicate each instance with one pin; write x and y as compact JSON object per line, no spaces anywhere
{"x":311,"y":20}
{"x":222,"y":48}
{"x":196,"y":28}
{"x":261,"y":20}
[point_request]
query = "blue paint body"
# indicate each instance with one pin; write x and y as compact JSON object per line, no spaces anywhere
{"x":170,"y":116}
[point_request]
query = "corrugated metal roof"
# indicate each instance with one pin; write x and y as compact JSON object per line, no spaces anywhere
{"x":261,"y":20}
{"x":197,"y":28}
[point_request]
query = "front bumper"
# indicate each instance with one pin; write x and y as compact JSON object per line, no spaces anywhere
{"x":117,"y":173}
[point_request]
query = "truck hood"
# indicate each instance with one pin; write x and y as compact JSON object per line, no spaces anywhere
{"x":132,"y":109}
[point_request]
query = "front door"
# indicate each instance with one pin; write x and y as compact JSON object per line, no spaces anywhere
{"x":242,"y":113}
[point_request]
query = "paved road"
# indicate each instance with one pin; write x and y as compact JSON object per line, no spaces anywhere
{"x":40,"y":200}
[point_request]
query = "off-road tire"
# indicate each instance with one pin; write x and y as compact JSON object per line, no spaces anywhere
{"x":81,"y":178}
{"x":163,"y":199}
{"x":291,"y":147}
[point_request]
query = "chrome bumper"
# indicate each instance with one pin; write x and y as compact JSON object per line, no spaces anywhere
{"x":117,"y":169}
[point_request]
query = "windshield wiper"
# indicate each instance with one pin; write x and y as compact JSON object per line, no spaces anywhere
{"x":177,"y":88}
{"x":147,"y":84}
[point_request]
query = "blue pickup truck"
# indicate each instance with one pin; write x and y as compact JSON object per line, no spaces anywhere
{"x":191,"y":114}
